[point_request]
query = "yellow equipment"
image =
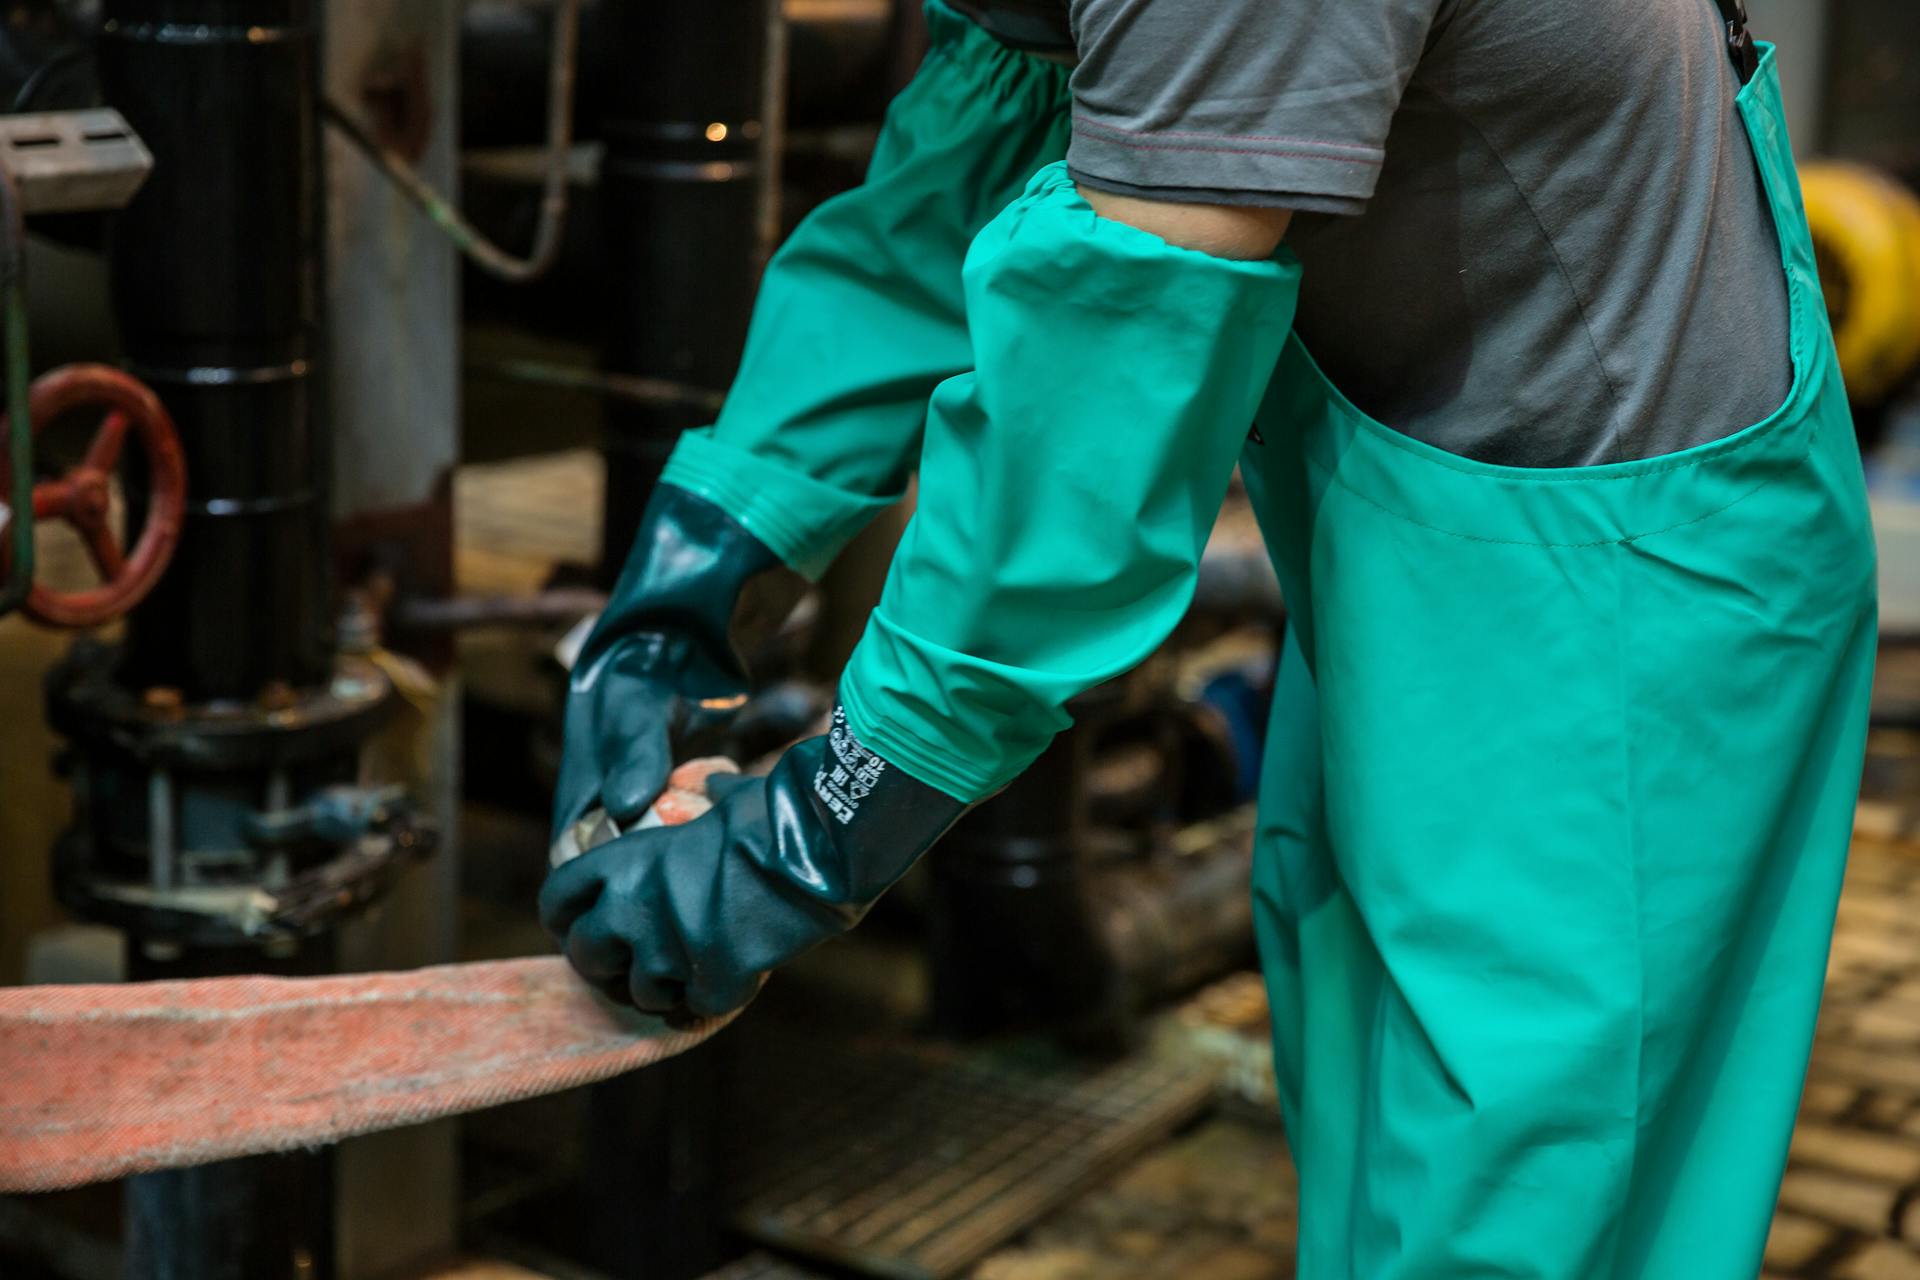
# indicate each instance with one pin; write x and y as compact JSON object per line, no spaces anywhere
{"x":1866,"y":239}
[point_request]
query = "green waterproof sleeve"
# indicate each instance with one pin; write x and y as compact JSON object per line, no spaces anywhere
{"x":1068,"y":483}
{"x":860,"y":314}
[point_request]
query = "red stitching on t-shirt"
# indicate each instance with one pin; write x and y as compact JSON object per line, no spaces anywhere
{"x":1233,"y":137}
{"x":1240,"y":151}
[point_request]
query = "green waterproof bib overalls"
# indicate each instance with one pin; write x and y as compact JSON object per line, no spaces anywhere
{"x":1560,"y":778}
{"x":1557,"y":800}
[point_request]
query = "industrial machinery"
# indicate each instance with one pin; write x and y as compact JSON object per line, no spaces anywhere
{"x":1866,"y":230}
{"x":222,"y":816}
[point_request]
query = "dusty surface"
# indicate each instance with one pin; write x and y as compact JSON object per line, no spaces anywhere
{"x":1217,"y":1202}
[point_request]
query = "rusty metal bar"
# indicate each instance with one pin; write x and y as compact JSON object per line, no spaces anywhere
{"x":559,"y":607}
{"x":553,"y":201}
{"x":620,"y":386}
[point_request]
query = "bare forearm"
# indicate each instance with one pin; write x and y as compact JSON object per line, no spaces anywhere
{"x":1242,"y":232}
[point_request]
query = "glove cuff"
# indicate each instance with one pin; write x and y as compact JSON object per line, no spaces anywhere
{"x":696,"y":572}
{"x":803,"y":519}
{"x":879,"y":818}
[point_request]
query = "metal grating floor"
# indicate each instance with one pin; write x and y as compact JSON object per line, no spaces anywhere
{"x":762,"y":1266}
{"x":913,"y":1165}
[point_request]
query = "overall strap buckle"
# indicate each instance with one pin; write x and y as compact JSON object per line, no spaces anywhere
{"x":1746,"y":57}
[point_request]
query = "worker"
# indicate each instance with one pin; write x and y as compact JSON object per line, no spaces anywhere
{"x":1550,"y":450}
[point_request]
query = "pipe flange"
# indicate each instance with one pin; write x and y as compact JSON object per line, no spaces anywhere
{"x":156,"y":728}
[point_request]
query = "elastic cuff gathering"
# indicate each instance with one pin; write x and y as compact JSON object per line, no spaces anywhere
{"x":800,"y":519}
{"x":918,"y":755}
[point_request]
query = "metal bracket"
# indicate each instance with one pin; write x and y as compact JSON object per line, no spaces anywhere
{"x":227,"y":915}
{"x":335,"y":816}
{"x":73,"y":161}
{"x":371,"y":834}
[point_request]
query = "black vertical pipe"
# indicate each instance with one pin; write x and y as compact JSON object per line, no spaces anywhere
{"x":255,"y":1218}
{"x":215,"y":280}
{"x":681,"y":187}
{"x":1014,"y":939}
{"x":653,"y":1199}
{"x":233,"y":1220}
{"x":680,"y":182}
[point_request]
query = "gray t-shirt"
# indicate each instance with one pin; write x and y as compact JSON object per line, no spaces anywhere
{"x":1532,"y":233}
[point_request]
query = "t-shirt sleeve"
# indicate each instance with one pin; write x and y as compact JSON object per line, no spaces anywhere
{"x":1273,"y":102}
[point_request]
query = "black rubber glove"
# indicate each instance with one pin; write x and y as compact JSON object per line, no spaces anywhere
{"x":687,"y":921}
{"x":662,"y":671}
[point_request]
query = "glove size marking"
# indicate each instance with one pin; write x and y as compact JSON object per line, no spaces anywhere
{"x":849,"y":777}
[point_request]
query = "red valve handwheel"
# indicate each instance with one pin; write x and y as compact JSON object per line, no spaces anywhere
{"x":81,"y":497}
